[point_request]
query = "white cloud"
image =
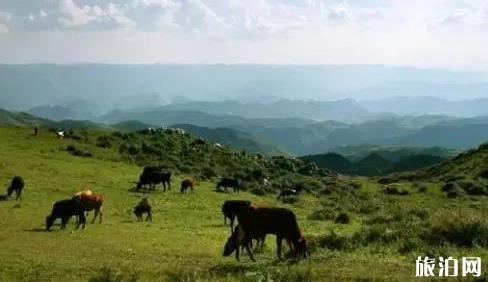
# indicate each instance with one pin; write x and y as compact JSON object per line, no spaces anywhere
{"x":435,"y":33}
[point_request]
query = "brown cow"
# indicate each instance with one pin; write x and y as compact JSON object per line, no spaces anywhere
{"x":189,"y":182}
{"x":91,"y":201}
{"x":256,"y":222}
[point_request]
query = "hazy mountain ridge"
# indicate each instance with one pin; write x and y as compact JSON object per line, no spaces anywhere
{"x":112,"y":87}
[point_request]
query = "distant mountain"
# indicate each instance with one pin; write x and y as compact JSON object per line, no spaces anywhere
{"x":431,"y":105}
{"x":142,"y":86}
{"x":232,"y":138}
{"x":19,"y":119}
{"x":373,"y":164}
{"x":392,"y":153}
{"x":54,"y":112}
{"x":346,"y":110}
{"x":163,"y":116}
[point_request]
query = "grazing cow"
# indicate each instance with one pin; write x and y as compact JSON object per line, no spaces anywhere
{"x":16,"y":185}
{"x":187,"y":183}
{"x":227,"y":182}
{"x":90,"y":201}
{"x":239,"y":239}
{"x":256,"y":222}
{"x":287,"y":193}
{"x":142,"y":208}
{"x":65,"y":209}
{"x":153,"y":175}
{"x":229,"y":209}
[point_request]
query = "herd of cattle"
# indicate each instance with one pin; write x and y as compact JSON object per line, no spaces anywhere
{"x":254,"y":222}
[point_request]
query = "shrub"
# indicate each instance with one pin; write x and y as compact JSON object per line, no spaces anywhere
{"x":323,"y":214}
{"x":290,"y":199}
{"x":342,"y":218}
{"x":334,"y":241}
{"x":103,"y":142}
{"x":71,"y":148}
{"x":464,"y":229}
{"x":395,"y":190}
{"x":258,"y":191}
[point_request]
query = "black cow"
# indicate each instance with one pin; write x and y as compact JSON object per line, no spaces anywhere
{"x":65,"y":209}
{"x":229,"y":209}
{"x":16,"y":185}
{"x":142,"y":208}
{"x":256,"y":222}
{"x":227,"y":182}
{"x":288,"y":193}
{"x":152,"y":176}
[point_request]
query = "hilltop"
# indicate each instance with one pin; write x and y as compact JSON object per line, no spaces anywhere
{"x":225,"y":136}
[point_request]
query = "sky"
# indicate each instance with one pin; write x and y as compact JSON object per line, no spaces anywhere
{"x":431,"y":34}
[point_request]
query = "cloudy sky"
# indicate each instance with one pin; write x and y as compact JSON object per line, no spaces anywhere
{"x":434,"y":33}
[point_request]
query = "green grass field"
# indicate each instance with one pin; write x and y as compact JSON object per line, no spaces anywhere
{"x":185,"y":240}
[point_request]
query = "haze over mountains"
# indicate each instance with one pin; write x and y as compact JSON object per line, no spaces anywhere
{"x":295,"y":109}
{"x":94,"y":89}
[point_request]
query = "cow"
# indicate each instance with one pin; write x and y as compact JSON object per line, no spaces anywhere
{"x":16,"y":185}
{"x":142,"y":208}
{"x":187,"y":183}
{"x":256,"y":222}
{"x":287,"y":193}
{"x":90,"y":201}
{"x":239,"y":239}
{"x":229,"y":209}
{"x":227,"y":182}
{"x":65,"y":209}
{"x":153,"y":175}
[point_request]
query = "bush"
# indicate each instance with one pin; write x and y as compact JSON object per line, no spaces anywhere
{"x":342,"y":218}
{"x":323,"y":214}
{"x":466,"y":230}
{"x":104,"y":142}
{"x":395,"y":190}
{"x":334,"y":241}
{"x":290,"y":199}
{"x":71,"y":148}
{"x":258,"y":191}
{"x":78,"y":152}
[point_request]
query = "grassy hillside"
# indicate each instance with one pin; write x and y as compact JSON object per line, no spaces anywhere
{"x":184,"y":242}
{"x":226,"y":136}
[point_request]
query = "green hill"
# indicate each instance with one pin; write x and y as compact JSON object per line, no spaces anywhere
{"x":184,"y":241}
{"x":232,"y":138}
{"x":225,"y":136}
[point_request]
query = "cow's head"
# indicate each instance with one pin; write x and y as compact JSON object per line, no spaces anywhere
{"x":302,"y":247}
{"x":233,"y":241}
{"x":49,"y":222}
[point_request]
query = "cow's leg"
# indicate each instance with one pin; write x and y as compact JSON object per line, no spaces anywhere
{"x":18,"y":194}
{"x":237,"y":252}
{"x":64,"y":221}
{"x":248,"y":249}
{"x":97,"y":211}
{"x":149,"y":216}
{"x":279,"y":242}
{"x":82,"y":220}
{"x":100,"y":212}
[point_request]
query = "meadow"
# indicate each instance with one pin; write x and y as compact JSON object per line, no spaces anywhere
{"x":379,"y":242}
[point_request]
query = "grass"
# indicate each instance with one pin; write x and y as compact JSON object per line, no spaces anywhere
{"x":185,"y":240}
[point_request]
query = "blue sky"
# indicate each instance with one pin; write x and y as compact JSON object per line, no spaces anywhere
{"x":435,"y":33}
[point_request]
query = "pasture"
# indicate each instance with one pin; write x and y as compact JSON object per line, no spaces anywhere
{"x":184,"y":242}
